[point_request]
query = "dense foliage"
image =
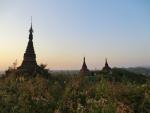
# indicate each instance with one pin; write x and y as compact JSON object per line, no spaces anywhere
{"x":74,"y":94}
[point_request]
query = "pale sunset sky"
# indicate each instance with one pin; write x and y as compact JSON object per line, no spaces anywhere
{"x":67,"y":30}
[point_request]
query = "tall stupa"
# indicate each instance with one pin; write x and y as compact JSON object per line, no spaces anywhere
{"x":29,"y":64}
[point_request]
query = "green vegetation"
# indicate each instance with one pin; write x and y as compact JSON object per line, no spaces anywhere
{"x":140,"y":70}
{"x":103,"y":93}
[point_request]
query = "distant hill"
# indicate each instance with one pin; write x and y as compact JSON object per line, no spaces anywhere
{"x":140,"y":70}
{"x":1,"y":73}
{"x":64,"y":72}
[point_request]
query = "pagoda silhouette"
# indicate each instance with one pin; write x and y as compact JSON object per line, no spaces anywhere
{"x":106,"y":68}
{"x":84,"y":70}
{"x":29,"y":64}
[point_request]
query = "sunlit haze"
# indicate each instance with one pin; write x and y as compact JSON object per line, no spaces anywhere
{"x":67,"y":30}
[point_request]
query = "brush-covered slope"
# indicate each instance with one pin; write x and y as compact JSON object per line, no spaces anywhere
{"x":73,"y":94}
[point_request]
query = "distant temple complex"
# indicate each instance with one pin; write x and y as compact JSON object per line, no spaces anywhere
{"x":84,"y":70}
{"x":29,"y":64}
{"x":106,"y":68}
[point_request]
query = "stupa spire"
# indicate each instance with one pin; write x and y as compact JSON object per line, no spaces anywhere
{"x":84,"y":66}
{"x":106,"y":63}
{"x":84,"y":70}
{"x":31,"y":31}
{"x":106,"y":68}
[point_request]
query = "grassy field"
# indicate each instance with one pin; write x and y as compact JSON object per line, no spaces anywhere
{"x":104,"y":93}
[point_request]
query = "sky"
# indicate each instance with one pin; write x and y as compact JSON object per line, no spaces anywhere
{"x":67,"y":30}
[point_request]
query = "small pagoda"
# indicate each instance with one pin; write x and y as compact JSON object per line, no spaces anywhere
{"x":84,"y":70}
{"x":29,"y":64}
{"x":106,"y":68}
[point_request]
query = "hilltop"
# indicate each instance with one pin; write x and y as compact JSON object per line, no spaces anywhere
{"x":119,"y":92}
